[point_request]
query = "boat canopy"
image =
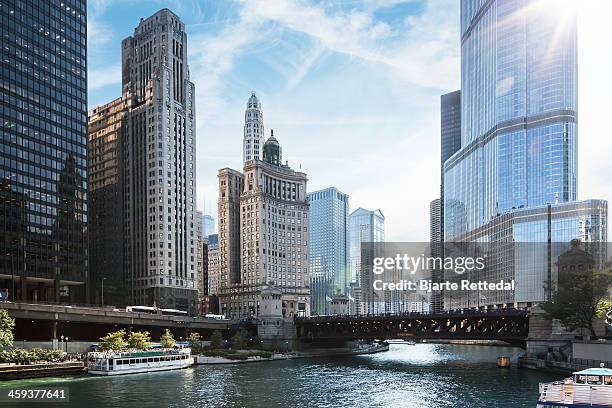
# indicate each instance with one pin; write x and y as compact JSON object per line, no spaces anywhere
{"x":594,"y":371}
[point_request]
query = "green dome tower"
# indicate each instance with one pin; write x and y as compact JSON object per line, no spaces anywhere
{"x":272,"y":152}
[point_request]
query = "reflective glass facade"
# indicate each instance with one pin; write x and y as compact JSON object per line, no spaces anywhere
{"x":328,"y":254}
{"x":43,"y":149}
{"x":518,"y":116}
{"x":515,"y":177}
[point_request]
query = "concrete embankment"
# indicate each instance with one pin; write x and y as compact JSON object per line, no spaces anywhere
{"x":19,"y":372}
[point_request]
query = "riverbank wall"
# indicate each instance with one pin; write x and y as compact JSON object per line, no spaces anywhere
{"x":19,"y":372}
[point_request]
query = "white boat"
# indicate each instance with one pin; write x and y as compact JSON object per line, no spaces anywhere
{"x":138,"y":361}
{"x":586,"y":388}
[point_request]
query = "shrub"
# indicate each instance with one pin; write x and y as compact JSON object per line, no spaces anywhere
{"x":215,"y":353}
{"x":237,"y":356}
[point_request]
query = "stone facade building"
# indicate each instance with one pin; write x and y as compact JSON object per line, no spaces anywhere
{"x":263,"y":233}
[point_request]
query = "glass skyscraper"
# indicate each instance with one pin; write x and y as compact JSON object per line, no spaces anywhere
{"x":364,"y":226}
{"x":329,"y":253}
{"x":43,"y":150}
{"x":518,"y":135}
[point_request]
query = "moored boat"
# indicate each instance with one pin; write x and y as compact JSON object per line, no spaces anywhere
{"x":139,"y":361}
{"x":587,"y":388}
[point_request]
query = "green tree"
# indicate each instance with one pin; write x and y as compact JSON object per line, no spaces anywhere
{"x":216,"y":340}
{"x":239,"y":340}
{"x":113,"y":341}
{"x":604,"y":306}
{"x":7,"y":323}
{"x":167,"y":339}
{"x":139,"y":340}
{"x":196,"y":342}
{"x":577,"y":298}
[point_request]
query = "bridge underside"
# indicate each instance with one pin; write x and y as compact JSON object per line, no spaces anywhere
{"x":512,"y":328}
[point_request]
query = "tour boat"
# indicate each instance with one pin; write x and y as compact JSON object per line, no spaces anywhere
{"x":139,"y":361}
{"x":587,"y":388}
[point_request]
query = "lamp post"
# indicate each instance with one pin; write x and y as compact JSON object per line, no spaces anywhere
{"x":102,"y":294}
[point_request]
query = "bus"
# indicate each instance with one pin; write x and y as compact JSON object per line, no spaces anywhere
{"x":173,"y":312}
{"x":215,"y":316}
{"x":141,"y":309}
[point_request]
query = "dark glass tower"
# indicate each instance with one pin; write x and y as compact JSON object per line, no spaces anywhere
{"x":43,"y":150}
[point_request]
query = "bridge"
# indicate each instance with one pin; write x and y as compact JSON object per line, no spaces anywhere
{"x":49,"y":321}
{"x":508,"y":325}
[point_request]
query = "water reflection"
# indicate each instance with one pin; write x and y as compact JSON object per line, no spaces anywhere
{"x":424,"y":375}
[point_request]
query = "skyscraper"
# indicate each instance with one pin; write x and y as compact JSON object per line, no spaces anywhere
{"x":450,"y":127}
{"x":209,"y":225}
{"x":157,"y":165}
{"x":43,"y":150}
{"x":514,"y":178}
{"x":253,"y":130}
{"x":213,"y":264}
{"x":435,"y":245}
{"x":328,"y":255}
{"x":450,"y":143}
{"x":106,"y":203}
{"x":364,"y":226}
{"x":263,"y":232}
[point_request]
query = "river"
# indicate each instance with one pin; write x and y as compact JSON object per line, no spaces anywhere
{"x":423,"y":375}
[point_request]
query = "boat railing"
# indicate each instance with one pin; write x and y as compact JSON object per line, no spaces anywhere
{"x":136,"y":353}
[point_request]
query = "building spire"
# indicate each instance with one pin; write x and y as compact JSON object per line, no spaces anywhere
{"x":253,"y":130}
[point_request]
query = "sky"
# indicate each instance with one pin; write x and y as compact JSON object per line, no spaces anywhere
{"x":351,"y":88}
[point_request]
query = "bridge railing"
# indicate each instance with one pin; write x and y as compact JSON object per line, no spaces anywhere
{"x":450,"y":313}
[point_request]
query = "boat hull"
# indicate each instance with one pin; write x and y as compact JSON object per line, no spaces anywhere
{"x":144,"y":369}
{"x":552,"y":404}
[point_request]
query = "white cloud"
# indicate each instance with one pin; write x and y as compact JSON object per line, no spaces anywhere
{"x":100,"y":77}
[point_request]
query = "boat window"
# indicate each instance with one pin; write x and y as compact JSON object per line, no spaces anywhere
{"x":594,"y":379}
{"x":156,"y":359}
{"x":581,"y":379}
{"x":608,"y":380}
{"x":119,"y":362}
{"x":132,"y":361}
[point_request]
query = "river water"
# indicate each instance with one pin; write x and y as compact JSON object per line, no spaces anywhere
{"x":423,"y":375}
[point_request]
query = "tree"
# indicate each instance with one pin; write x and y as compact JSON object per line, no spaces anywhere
{"x":196,"y":342}
{"x":167,"y":339}
{"x":139,"y":340}
{"x":7,"y":323}
{"x":216,"y":339}
{"x":604,"y":306}
{"x":239,"y":340}
{"x":577,"y":298}
{"x":113,"y":341}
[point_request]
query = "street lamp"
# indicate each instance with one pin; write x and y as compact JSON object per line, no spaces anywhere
{"x":102,"y":295}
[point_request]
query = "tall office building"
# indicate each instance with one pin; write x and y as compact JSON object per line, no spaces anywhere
{"x":209,"y":225}
{"x":328,"y":255}
{"x":364,"y":226}
{"x":450,"y":143}
{"x":450,"y":137}
{"x":201,"y":262}
{"x":106,"y":124}
{"x":157,"y":165}
{"x":213,"y":264}
{"x":253,"y":140}
{"x":263,"y":234}
{"x":514,"y":178}
{"x":43,"y":150}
